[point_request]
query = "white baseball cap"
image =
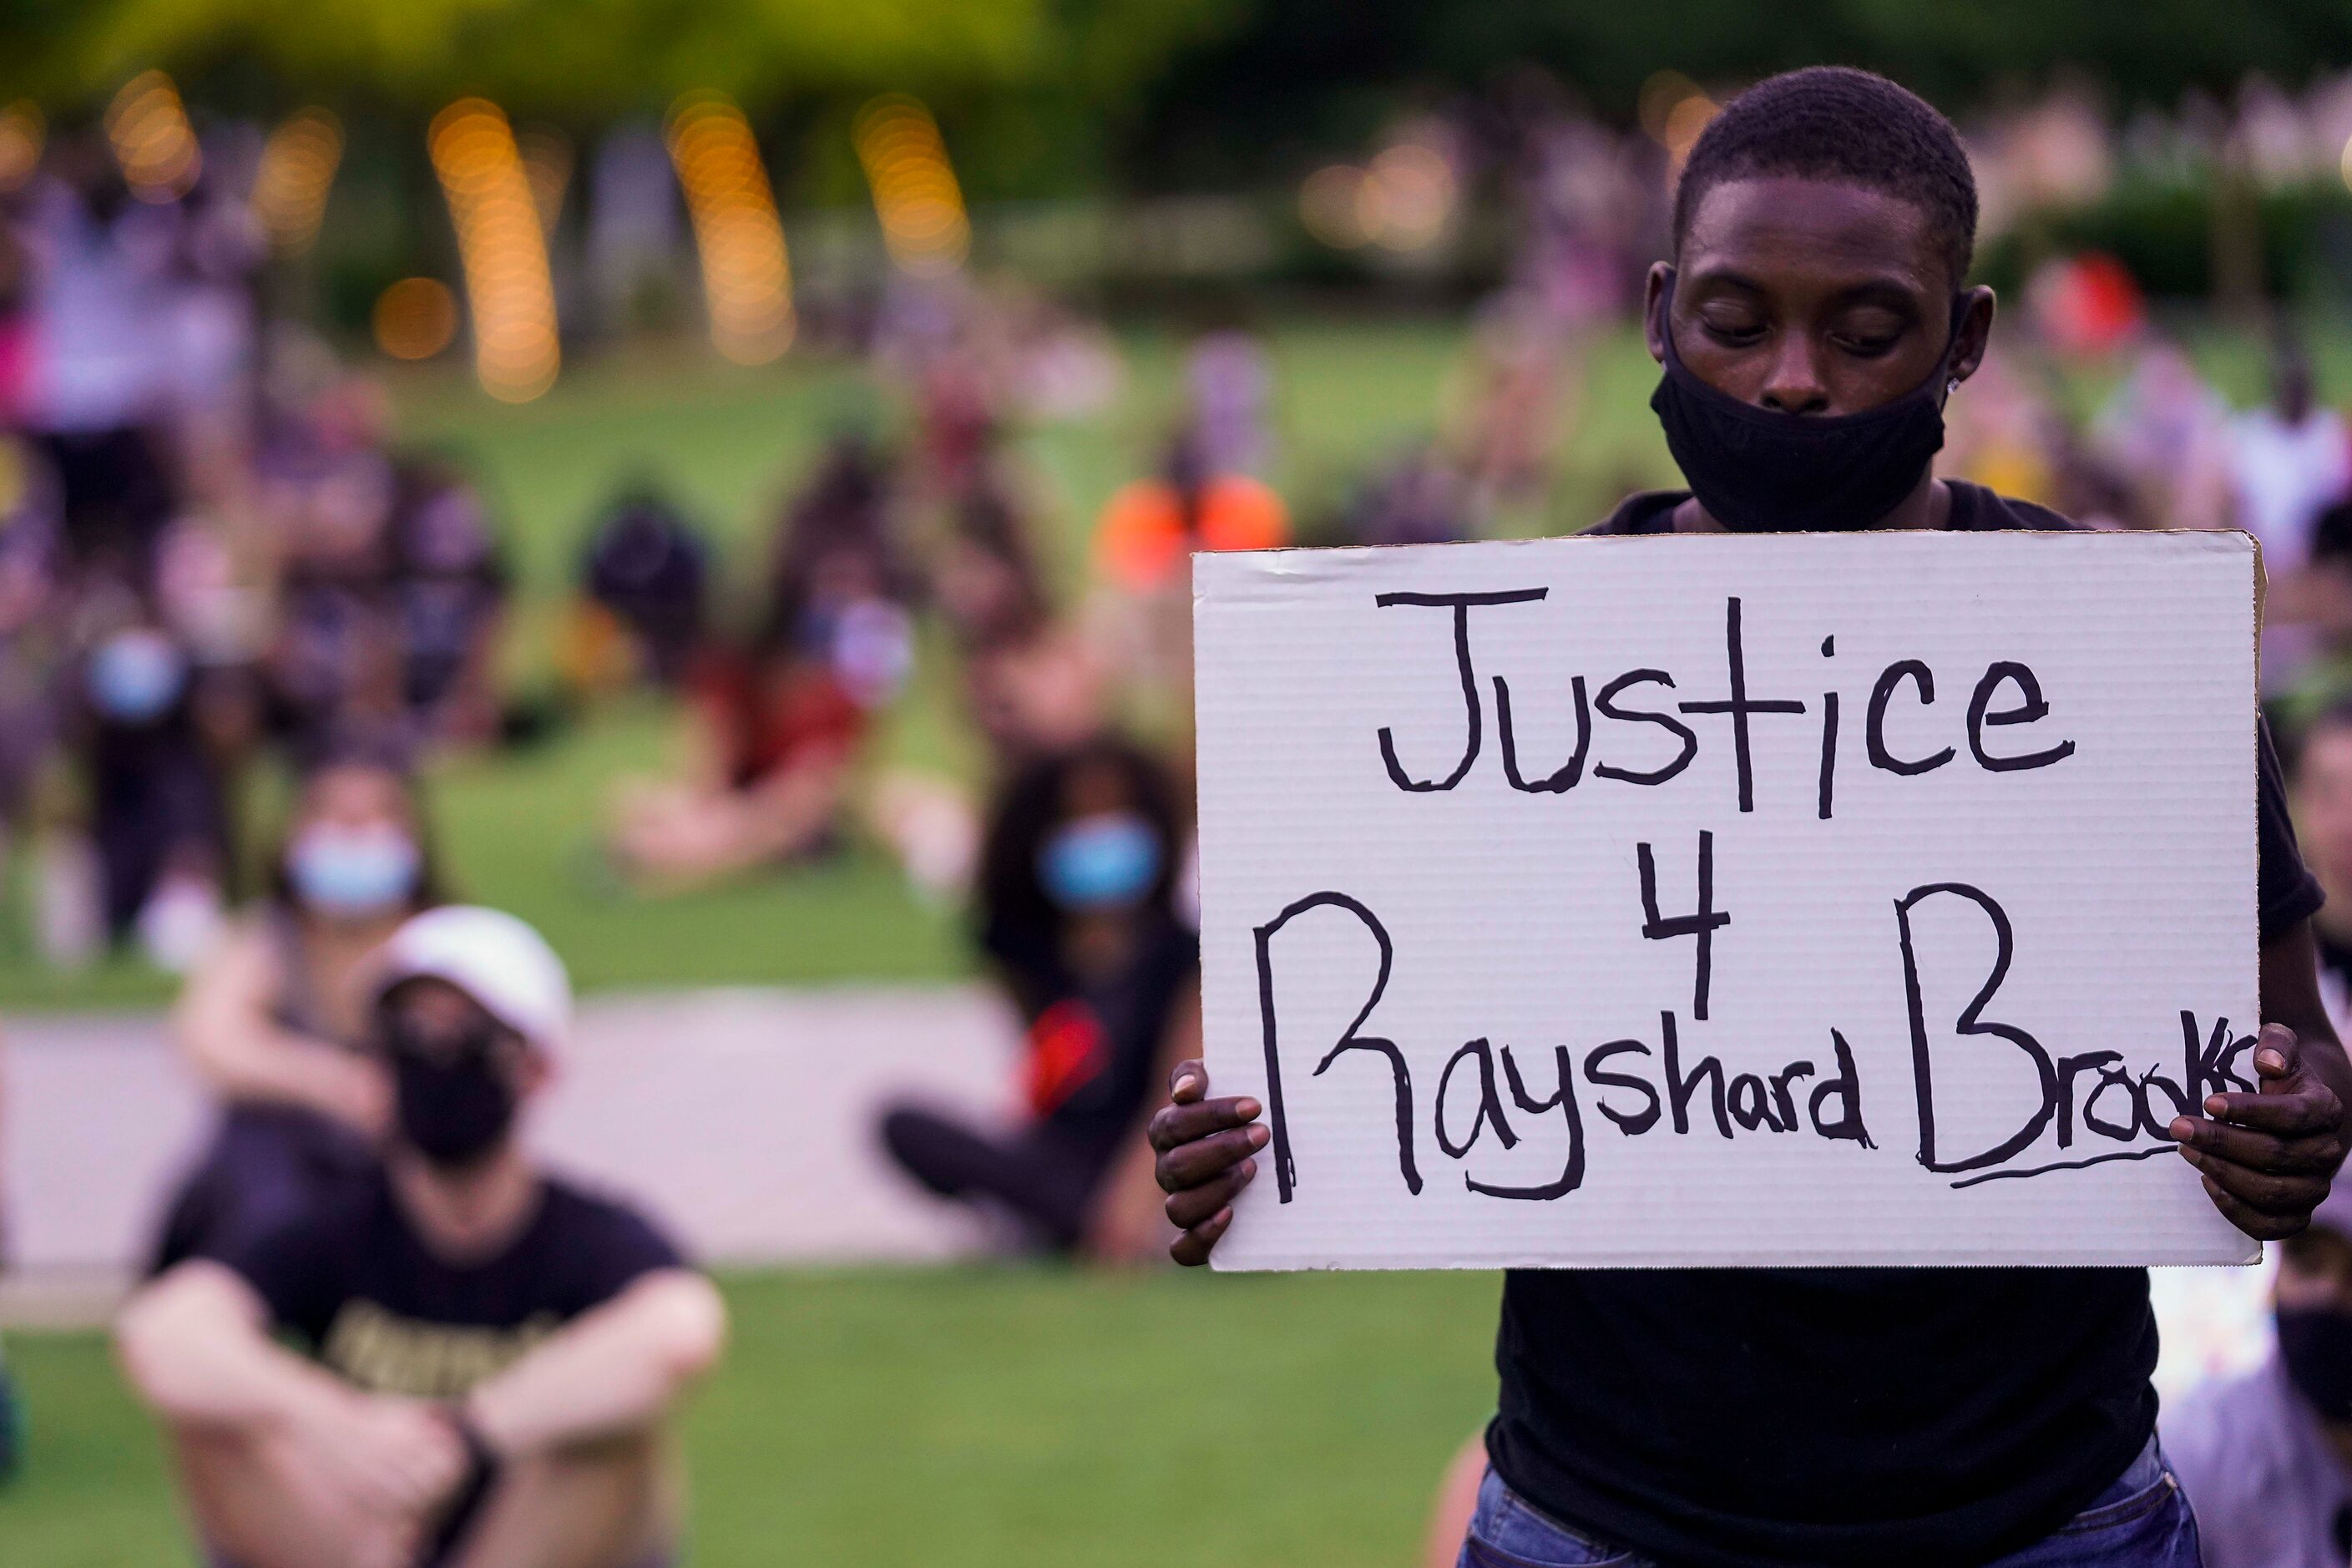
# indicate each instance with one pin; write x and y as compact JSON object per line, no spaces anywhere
{"x":499,"y":961}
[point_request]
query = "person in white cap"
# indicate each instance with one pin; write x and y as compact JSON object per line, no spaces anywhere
{"x":483,"y":1357}
{"x":2266,"y":1456}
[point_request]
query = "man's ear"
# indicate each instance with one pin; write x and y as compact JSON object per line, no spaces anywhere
{"x":1653,"y":307}
{"x":1974,"y":333}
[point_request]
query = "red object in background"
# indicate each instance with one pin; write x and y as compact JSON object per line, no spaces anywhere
{"x":1143,"y":540}
{"x":1065,"y":1050}
{"x":2087,"y":304}
{"x":769,"y":715}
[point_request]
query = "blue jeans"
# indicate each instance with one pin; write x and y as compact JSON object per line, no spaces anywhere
{"x":2141,"y":1522}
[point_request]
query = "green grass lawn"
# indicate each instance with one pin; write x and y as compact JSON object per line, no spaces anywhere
{"x":1028,"y":1417}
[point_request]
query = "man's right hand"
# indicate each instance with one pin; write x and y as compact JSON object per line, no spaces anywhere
{"x":1205,"y":1148}
{"x":389,"y":1456}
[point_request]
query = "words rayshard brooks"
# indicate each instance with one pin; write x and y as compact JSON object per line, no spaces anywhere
{"x":1729,"y":900}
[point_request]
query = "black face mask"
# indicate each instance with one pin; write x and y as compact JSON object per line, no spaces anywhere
{"x":1758,"y":471}
{"x":453,"y":1106}
{"x":2317,"y":1346}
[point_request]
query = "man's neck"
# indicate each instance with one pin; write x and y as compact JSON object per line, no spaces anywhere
{"x":469,"y":1214}
{"x":1928,"y":506}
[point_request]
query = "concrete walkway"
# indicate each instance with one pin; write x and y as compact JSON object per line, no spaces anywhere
{"x":742,"y":1118}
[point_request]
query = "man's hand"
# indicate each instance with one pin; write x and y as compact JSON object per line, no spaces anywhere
{"x":2267,"y":1158}
{"x":1204,"y":1149}
{"x":395,"y":1459}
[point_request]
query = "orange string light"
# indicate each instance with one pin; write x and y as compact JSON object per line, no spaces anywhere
{"x":148,"y":126}
{"x":500,"y":247}
{"x":747,"y":276}
{"x":297,"y":172}
{"x":915,"y":196}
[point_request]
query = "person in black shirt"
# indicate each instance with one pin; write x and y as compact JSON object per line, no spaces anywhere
{"x":462,"y":1362}
{"x":1812,"y":324}
{"x":1078,"y":912}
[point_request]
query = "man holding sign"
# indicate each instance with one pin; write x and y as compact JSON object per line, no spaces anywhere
{"x":1567,"y":831}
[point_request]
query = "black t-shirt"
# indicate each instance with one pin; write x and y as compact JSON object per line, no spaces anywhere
{"x":356,"y":1286}
{"x":1848,"y":1415}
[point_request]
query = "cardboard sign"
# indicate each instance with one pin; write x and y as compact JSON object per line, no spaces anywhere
{"x":1799,"y":899}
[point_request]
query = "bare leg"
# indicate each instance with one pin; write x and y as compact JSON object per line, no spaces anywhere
{"x":257,"y":1502}
{"x":1457,"y":1501}
{"x":612,"y":1505}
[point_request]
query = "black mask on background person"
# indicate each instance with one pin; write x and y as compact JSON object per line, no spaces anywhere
{"x":1758,"y":471}
{"x":2316,"y":1344}
{"x":453,"y":1105}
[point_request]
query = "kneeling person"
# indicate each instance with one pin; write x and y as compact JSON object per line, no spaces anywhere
{"x":487,"y":1356}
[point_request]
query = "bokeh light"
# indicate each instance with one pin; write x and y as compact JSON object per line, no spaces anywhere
{"x":1404,"y":200}
{"x":152,"y":140}
{"x":915,"y":192}
{"x":746,"y":278}
{"x":416,"y":318}
{"x":500,"y":246}
{"x":296,"y":174}
{"x":23,"y":132}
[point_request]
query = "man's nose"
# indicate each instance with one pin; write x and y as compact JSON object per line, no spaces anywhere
{"x":1794,"y":385}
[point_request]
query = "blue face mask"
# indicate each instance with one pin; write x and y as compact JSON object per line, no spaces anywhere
{"x":1109,"y":861}
{"x":134,"y":677}
{"x":352,"y":873}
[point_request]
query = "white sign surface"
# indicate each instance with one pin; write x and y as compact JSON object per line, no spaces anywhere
{"x":1800,"y":899}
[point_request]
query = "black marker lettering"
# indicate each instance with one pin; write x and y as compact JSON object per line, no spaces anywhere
{"x":1679,"y":1087}
{"x":1639,"y":1121}
{"x":1846,"y":1085}
{"x":1874,"y":732}
{"x":1564,"y":779}
{"x":2212,"y":1067}
{"x":1571,"y":1175}
{"x":1751,"y":1105}
{"x":2031,"y":707}
{"x":2097,"y":1061}
{"x":1739,"y":705}
{"x":1285,"y":1178}
{"x":1701,"y":924}
{"x":1490,"y":1101}
{"x":1968,"y":1025}
{"x":1461,"y":605}
{"x":1780,"y":1095}
{"x":1607,"y":703}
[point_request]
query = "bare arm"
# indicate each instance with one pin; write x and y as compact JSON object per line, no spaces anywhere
{"x":195,"y":1345}
{"x":613,"y":1371}
{"x":223,"y":1024}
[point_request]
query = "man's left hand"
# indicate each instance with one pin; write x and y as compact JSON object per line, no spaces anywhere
{"x":2267,"y":1158}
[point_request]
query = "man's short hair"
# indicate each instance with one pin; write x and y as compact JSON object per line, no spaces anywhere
{"x":1851,"y":127}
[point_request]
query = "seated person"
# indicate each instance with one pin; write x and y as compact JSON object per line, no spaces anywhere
{"x":784,"y":717}
{"x":2266,"y":1456}
{"x":275,"y":1021}
{"x":483,"y":1357}
{"x":1078,"y":913}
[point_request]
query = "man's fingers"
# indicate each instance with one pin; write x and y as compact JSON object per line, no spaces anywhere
{"x":1191,"y":1249}
{"x":2306,"y":1155}
{"x":1205,"y":1159}
{"x":1188,"y":1082}
{"x":2254,"y":1222}
{"x":2271,"y":1193}
{"x":2278,"y":1057}
{"x":1174,"y":1126}
{"x":1197,"y":1206}
{"x":2310,"y":1109}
